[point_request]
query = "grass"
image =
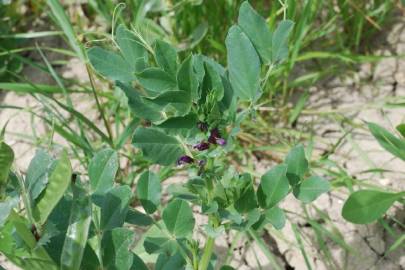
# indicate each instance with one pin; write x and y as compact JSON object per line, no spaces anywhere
{"x":324,"y":44}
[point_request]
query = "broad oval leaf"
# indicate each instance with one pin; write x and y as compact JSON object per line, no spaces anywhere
{"x":273,"y":186}
{"x":114,"y":206}
{"x":187,"y":79}
{"x":6,"y":207}
{"x":102,"y":170}
{"x":116,"y":246}
{"x":183,"y":125}
{"x":276,"y":217}
{"x":256,"y":28}
{"x":279,"y":48}
{"x":148,"y":190}
{"x":215,"y":81}
{"x":178,"y":101}
{"x":132,"y":49}
{"x":157,"y":146}
{"x":38,"y":173}
{"x":6,"y":160}
{"x":311,"y":188}
{"x":166,"y":57}
{"x":388,"y":141}
{"x":59,"y":181}
{"x":139,"y":106}
{"x":110,"y":64}
{"x":366,"y":206}
{"x":297,"y":164}
{"x":243,"y":64}
{"x":178,"y":218}
{"x":156,"y":81}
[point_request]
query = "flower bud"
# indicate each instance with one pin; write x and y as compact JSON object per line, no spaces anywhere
{"x":202,"y":146}
{"x":185,"y":160}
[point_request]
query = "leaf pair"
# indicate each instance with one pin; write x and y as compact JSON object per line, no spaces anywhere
{"x":120,"y":67}
{"x":248,"y":41}
{"x":304,"y":189}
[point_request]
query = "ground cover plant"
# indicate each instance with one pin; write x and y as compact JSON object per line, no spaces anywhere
{"x":180,"y":96}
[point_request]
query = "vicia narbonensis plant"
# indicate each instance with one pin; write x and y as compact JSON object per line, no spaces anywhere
{"x":190,"y":112}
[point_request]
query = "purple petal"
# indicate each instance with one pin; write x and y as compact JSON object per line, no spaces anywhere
{"x":221,"y":141}
{"x":185,"y":160}
{"x":202,"y":146}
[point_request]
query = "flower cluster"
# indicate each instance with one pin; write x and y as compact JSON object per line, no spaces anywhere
{"x":214,"y":138}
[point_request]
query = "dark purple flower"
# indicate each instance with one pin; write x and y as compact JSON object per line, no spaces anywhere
{"x":215,"y":133}
{"x":215,"y":137}
{"x":202,"y":126}
{"x":202,"y":146}
{"x":185,"y":160}
{"x":221,"y":141}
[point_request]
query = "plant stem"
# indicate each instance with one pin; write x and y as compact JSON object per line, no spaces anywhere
{"x":208,"y":249}
{"x":100,"y":109}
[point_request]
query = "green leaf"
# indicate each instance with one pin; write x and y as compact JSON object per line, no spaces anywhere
{"x":38,"y":173}
{"x":366,"y":206}
{"x":178,"y":218}
{"x":279,"y":48}
{"x":37,"y":257}
{"x":178,"y":100}
{"x":6,"y":207}
{"x":77,"y":232}
{"x":256,"y":28}
{"x":227,"y":267}
{"x":276,"y":217}
{"x":157,"y":146}
{"x":138,"y":264}
{"x":401,"y":129}
{"x":180,"y":125}
{"x":297,"y":164}
{"x":58,"y":182}
{"x":6,"y":160}
{"x":246,"y":200}
{"x":111,"y":65}
{"x":187,"y":79}
{"x":215,"y":81}
{"x":117,"y":249}
{"x":114,"y":206}
{"x":311,"y":188}
{"x":243,"y":64}
{"x":388,"y":141}
{"x":273,"y":186}
{"x":148,"y":191}
{"x":136,"y":217}
{"x":166,"y":57}
{"x":156,"y":81}
{"x":165,"y":262}
{"x":132,"y":49}
{"x":139,"y":107}
{"x":102,"y":170}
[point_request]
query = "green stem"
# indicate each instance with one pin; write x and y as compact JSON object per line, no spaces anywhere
{"x":262,"y":245}
{"x":100,"y":109}
{"x":208,"y":249}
